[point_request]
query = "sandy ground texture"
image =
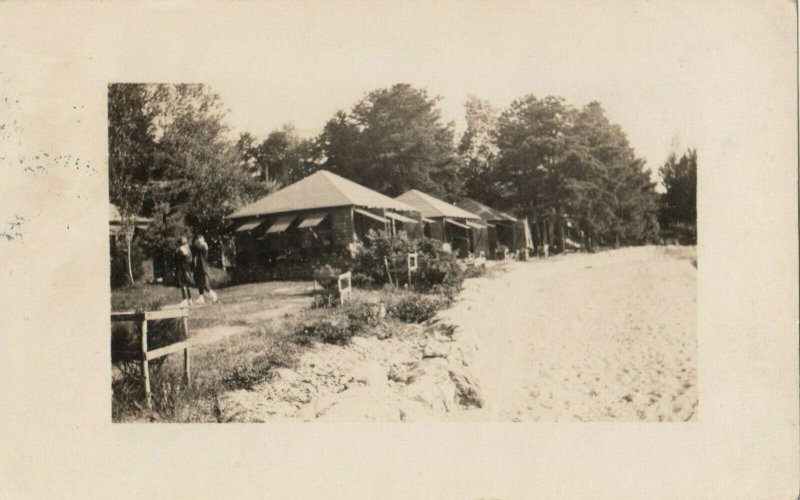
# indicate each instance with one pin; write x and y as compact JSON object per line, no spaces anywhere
{"x":601,"y":337}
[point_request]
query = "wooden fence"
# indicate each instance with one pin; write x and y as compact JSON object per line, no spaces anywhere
{"x":142,"y":318}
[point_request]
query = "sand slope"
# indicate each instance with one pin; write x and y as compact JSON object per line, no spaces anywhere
{"x":607,"y":336}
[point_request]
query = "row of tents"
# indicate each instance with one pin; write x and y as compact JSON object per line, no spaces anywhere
{"x":289,"y":232}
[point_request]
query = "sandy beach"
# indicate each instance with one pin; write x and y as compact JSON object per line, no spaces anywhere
{"x":588,"y":337}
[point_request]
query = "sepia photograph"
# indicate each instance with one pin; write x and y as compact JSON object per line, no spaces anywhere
{"x":529,"y":265}
{"x":402,"y":249}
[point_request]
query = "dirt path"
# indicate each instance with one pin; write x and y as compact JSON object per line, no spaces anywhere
{"x":609,"y":336}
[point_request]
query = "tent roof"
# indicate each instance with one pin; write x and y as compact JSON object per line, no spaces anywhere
{"x":321,"y":189}
{"x":115,"y":217}
{"x":484,"y":212}
{"x":433,"y":207}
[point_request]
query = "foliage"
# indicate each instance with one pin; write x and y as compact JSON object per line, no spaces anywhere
{"x":478,"y":151}
{"x":393,"y":140}
{"x":327,"y":276}
{"x":679,"y":177}
{"x":258,"y":368}
{"x":283,"y":157}
{"x":130,"y":152}
{"x":439,"y":270}
{"x":556,"y":162}
{"x":168,"y":148}
{"x":369,"y":266}
{"x":332,"y":327}
{"x":436,"y":267}
{"x":474,"y":271}
{"x":121,"y":257}
{"x":415,"y":307}
{"x":363,"y":315}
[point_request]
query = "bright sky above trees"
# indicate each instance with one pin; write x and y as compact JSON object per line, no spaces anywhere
{"x":653,"y":67}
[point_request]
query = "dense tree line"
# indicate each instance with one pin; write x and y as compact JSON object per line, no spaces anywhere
{"x":171,"y":159}
{"x":559,"y":166}
{"x":679,"y":203}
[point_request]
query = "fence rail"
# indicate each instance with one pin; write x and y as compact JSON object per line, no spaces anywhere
{"x":142,"y":319}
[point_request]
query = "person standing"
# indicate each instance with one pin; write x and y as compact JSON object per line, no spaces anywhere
{"x":201,"y":268}
{"x":183,"y":270}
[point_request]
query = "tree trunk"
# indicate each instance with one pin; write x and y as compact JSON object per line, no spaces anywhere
{"x":128,"y":258}
{"x":560,"y":230}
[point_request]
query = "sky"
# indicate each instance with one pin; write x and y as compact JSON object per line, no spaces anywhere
{"x":647,"y":64}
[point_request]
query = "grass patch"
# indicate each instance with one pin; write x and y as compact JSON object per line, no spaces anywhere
{"x":237,"y":362}
{"x":235,"y":303}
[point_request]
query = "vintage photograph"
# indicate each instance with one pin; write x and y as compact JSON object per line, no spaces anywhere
{"x":454,"y":249}
{"x":521,"y":262}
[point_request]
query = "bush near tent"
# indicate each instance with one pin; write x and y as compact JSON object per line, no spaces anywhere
{"x":437,"y":268}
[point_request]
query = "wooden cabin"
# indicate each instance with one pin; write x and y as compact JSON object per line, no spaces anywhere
{"x":503,"y":228}
{"x":316,"y":221}
{"x":444,"y":221}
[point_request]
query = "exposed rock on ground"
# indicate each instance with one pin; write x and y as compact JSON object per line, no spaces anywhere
{"x":421,"y":373}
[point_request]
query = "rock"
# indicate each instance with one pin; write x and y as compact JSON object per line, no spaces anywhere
{"x":369,"y":373}
{"x":468,"y":391}
{"x":435,"y":349}
{"x":438,"y":395}
{"x":431,"y":385}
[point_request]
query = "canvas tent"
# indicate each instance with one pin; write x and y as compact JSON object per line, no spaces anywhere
{"x":444,"y":221}
{"x":503,"y":228}
{"x":310,"y":223}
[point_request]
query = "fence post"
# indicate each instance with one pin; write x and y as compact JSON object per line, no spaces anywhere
{"x":187,"y":365}
{"x":186,"y":361}
{"x":145,"y":368}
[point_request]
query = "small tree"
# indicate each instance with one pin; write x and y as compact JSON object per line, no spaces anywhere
{"x":130,"y":149}
{"x":679,"y":177}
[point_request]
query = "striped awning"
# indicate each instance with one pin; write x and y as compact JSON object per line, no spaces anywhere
{"x":400,"y":218}
{"x":457,"y":224}
{"x":249,"y":226}
{"x":367,"y":213}
{"x":282,"y":224}
{"x":313,"y":220}
{"x":476,"y":225}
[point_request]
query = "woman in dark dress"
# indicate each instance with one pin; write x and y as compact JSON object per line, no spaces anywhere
{"x":183,"y":270}
{"x":200,"y":252}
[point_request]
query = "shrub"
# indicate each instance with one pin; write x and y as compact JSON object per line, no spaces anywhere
{"x":327,"y":276}
{"x":362,"y":315}
{"x":474,"y":271}
{"x":361,"y":280}
{"x":415,"y":308}
{"x":437,"y":267}
{"x":369,"y":263}
{"x":254,"y":370}
{"x":333,"y":328}
{"x":119,"y":262}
